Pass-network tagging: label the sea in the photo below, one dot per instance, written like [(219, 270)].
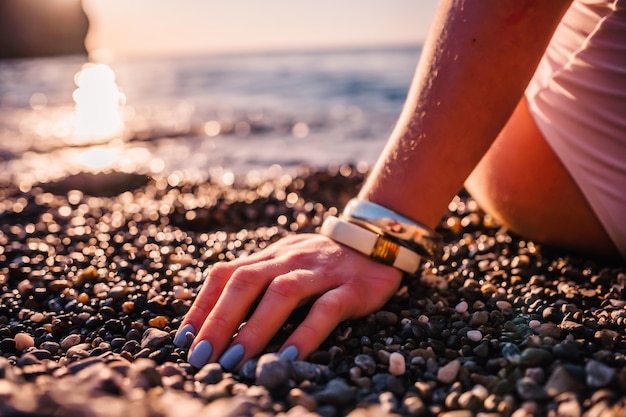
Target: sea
[(224, 116)]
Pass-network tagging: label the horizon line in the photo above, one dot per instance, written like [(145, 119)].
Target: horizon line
[(104, 55)]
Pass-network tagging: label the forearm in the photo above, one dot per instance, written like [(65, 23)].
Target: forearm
[(478, 59)]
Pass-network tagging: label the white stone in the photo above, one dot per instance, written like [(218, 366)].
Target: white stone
[(474, 335), (461, 307), (397, 365)]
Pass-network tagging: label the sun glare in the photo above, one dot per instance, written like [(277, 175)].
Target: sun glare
[(98, 104), (99, 158)]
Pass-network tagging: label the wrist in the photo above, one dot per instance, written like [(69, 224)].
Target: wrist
[(406, 232), (383, 235), (373, 245)]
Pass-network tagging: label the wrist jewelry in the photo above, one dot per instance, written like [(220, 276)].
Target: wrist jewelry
[(371, 244), (396, 228)]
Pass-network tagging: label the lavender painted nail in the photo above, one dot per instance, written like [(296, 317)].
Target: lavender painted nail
[(181, 340), (232, 356), (200, 354), (290, 353)]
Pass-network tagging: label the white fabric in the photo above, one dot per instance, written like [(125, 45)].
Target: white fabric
[(578, 99)]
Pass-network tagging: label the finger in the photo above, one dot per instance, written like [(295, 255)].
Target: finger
[(240, 292), (212, 286), (283, 295), (216, 278), (326, 313)]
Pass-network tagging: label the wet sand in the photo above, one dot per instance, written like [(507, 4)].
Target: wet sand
[(96, 282)]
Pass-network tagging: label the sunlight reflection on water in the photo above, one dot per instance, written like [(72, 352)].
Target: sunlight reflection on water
[(97, 114), (199, 114)]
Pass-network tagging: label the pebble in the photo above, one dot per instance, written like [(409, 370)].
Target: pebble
[(535, 357), (528, 389), (447, 373), (496, 327), (461, 307), (468, 400), (70, 341), (40, 353), (128, 307), (482, 350), (52, 347), (79, 350), (397, 365), (571, 326), (23, 341), (598, 374), (608, 337), (569, 408), (211, 373), (144, 375), (159, 322), (306, 371), (366, 363), (81, 364), (474, 335), (504, 305), (336, 392), (154, 338), (247, 371), (561, 380), (386, 318), (118, 292), (566, 350), (548, 330), (383, 356), (8, 346), (37, 317), (511, 353), (479, 318), (298, 397), (272, 371)]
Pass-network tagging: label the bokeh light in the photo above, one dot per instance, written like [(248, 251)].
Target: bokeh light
[(98, 104)]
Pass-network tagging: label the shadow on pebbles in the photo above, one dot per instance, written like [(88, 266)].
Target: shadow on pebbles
[(95, 283)]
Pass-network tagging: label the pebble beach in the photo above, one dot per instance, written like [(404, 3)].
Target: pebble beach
[(98, 270)]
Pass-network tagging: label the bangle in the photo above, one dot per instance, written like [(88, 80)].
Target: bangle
[(408, 233), (370, 244)]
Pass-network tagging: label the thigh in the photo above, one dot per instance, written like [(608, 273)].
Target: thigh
[(524, 185)]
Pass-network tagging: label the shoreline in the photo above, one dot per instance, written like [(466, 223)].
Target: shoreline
[(95, 286)]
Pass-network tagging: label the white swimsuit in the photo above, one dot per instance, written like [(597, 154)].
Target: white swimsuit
[(578, 99)]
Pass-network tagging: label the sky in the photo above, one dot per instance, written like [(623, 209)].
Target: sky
[(167, 27)]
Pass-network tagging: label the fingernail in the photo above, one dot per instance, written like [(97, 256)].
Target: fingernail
[(232, 356), (200, 354), (181, 339), (290, 353)]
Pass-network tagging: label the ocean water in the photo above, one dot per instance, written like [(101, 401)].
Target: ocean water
[(201, 115)]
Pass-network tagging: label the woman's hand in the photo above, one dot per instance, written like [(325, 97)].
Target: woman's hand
[(342, 283)]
